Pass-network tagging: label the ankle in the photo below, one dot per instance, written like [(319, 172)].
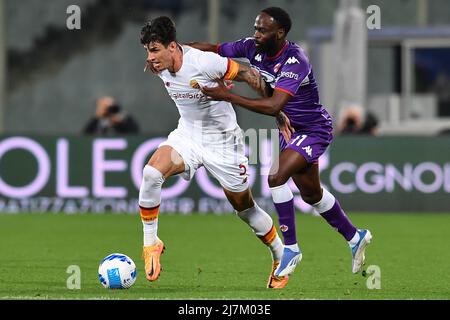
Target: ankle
[(294, 247)]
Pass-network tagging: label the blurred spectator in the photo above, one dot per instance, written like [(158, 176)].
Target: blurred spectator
[(352, 122), (370, 125), (110, 119)]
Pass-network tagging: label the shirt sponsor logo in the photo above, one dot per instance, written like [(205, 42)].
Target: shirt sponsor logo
[(186, 95), (290, 75), (292, 60)]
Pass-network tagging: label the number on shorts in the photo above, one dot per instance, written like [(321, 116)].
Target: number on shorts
[(244, 168), (303, 137)]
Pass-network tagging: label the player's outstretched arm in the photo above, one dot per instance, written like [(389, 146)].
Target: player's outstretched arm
[(204, 46)]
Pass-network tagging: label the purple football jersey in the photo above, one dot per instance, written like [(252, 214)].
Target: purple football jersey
[(289, 71)]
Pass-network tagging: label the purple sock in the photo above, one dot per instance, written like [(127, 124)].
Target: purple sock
[(339, 220), (286, 219)]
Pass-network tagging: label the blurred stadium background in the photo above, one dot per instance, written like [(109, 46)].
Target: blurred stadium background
[(390, 67)]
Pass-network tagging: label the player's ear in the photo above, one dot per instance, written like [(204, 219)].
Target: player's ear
[(280, 33), (172, 46)]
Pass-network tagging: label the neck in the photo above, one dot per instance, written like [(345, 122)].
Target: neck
[(177, 60), (276, 48)]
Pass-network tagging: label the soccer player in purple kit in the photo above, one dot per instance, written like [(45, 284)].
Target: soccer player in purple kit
[(286, 69)]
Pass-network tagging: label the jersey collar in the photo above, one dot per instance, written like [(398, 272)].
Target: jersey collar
[(279, 52)]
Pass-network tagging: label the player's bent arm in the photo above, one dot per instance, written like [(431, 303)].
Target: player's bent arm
[(203, 46), (247, 74), (253, 78), (269, 106), (243, 73)]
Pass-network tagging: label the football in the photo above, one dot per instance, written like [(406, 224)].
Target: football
[(117, 271)]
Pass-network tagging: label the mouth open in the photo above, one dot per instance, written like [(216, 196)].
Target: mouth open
[(152, 65)]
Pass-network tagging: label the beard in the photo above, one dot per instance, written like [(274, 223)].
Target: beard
[(267, 46)]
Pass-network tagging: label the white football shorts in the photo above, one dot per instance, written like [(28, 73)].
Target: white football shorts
[(222, 155)]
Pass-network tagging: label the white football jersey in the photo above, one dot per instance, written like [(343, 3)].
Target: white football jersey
[(197, 112)]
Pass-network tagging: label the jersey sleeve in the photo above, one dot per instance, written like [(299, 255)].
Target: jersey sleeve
[(236, 49), (292, 74), (214, 66)]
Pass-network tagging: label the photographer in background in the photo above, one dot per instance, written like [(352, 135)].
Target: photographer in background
[(110, 119), (353, 122)]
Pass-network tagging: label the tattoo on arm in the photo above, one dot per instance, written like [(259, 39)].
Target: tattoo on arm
[(245, 74), (254, 79)]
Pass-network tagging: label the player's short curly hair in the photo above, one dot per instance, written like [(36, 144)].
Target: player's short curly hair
[(280, 16), (161, 29)]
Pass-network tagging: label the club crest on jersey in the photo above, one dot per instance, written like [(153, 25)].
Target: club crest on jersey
[(277, 67), (284, 228), (194, 84), (167, 84)]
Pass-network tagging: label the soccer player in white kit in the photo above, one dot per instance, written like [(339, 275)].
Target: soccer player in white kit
[(207, 135)]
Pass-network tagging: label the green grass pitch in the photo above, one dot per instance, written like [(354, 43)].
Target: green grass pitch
[(218, 257)]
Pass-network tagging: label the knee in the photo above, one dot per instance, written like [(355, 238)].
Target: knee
[(312, 197), (276, 180), (152, 176)]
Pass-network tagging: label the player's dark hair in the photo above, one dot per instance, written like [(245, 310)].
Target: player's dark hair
[(280, 16), (161, 29)]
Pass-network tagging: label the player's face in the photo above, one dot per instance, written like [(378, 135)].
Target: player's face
[(159, 56), (266, 32)]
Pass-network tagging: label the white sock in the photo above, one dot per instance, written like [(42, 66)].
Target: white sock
[(326, 203), (150, 233), (150, 190), (281, 193), (276, 248), (149, 200), (294, 247), (354, 240), (262, 225)]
